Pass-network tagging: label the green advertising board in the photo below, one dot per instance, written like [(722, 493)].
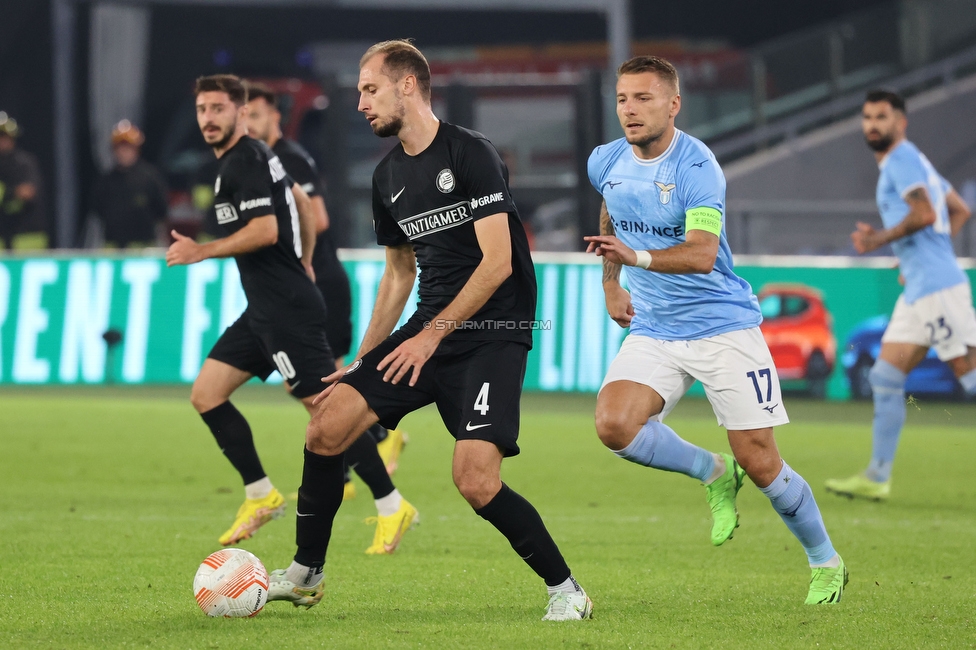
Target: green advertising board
[(55, 312)]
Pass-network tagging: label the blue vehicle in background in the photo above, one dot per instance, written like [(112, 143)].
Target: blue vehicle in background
[(930, 377)]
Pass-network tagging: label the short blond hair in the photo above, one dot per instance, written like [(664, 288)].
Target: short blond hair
[(400, 58)]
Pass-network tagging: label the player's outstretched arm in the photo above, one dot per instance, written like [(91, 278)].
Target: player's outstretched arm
[(306, 227), (696, 254), (611, 270), (260, 232), (958, 212), (619, 307), (321, 214), (920, 215), (395, 287), (495, 240)]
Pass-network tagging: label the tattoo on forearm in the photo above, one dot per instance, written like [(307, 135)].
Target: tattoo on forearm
[(611, 271), (606, 226)]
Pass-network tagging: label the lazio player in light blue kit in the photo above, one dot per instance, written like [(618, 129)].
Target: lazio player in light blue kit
[(690, 317), (920, 212)]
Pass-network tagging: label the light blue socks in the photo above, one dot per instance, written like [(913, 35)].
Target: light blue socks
[(658, 446), (793, 500), (888, 386), (968, 382)]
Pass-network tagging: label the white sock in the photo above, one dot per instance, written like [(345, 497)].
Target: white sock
[(303, 576), (719, 469), (832, 563), (258, 489), (388, 505), (568, 586)]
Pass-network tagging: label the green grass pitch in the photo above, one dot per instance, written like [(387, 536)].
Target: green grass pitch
[(112, 497)]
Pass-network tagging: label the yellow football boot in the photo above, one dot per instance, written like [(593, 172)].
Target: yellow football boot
[(391, 447), (253, 514), (390, 530)]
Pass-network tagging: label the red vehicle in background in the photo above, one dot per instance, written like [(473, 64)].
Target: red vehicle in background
[(798, 329)]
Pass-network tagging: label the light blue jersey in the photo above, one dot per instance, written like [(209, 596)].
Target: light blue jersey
[(926, 258), (648, 201)]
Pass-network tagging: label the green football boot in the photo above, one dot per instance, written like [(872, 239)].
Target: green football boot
[(720, 494), (827, 584), (859, 486)]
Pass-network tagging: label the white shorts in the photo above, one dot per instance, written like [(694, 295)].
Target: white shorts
[(944, 320), (735, 368)]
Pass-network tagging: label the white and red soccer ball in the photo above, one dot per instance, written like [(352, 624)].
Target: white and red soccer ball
[(231, 583)]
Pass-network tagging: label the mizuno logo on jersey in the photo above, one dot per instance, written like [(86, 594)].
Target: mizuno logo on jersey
[(424, 224), (485, 200), (225, 213), (255, 203), (277, 170)]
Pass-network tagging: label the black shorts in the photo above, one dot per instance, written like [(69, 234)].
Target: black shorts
[(477, 386), (301, 355)]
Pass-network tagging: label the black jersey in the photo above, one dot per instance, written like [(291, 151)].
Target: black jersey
[(299, 166), (251, 182), (431, 201), (302, 169)]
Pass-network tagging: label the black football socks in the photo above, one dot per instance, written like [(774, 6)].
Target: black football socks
[(319, 499), (520, 523), (233, 435), (363, 457)]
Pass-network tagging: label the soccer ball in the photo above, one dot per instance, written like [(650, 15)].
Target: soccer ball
[(231, 583)]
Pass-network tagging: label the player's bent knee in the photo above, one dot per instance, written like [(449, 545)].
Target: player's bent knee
[(477, 487), (478, 491), (756, 452), (204, 399), (324, 440), (615, 429), (885, 376), (761, 469)]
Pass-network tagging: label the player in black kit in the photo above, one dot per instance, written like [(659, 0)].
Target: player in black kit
[(271, 235), (441, 202), (363, 456)]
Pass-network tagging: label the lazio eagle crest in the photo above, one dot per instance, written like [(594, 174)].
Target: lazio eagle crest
[(665, 192)]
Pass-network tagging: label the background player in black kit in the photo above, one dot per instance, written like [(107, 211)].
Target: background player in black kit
[(440, 201), (283, 326), (264, 124)]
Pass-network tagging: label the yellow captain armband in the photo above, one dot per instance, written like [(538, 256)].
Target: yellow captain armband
[(707, 219)]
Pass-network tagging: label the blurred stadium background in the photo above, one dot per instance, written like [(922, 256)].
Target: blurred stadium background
[(773, 88), (114, 491)]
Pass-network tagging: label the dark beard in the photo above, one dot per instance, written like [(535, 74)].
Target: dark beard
[(390, 128), (644, 142), (881, 144), (220, 144)]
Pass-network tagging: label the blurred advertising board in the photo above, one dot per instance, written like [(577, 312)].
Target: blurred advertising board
[(58, 315)]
